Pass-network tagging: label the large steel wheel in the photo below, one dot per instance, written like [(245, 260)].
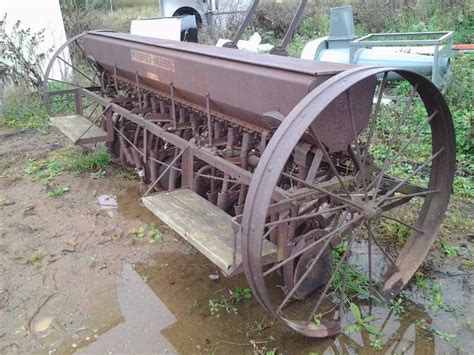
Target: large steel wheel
[(363, 201), (69, 69)]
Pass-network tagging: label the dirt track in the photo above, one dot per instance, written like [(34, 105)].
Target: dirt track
[(60, 258)]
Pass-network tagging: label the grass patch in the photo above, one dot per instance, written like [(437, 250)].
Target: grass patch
[(72, 160), (457, 221), (58, 191), (127, 175), (23, 109)]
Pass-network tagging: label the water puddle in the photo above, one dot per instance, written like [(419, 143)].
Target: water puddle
[(145, 316), (129, 206), (182, 284), (167, 308)]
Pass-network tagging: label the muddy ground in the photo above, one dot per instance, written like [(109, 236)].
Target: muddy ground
[(74, 279)]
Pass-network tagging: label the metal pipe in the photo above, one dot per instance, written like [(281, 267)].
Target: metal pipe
[(244, 24)]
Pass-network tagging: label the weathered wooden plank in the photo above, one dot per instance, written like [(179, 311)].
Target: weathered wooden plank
[(203, 225), (78, 129)]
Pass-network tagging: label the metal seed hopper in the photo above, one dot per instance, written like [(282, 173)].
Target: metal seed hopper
[(286, 169)]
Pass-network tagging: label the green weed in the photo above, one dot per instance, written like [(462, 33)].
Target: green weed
[(377, 344), (147, 231), (397, 306), (36, 258), (58, 191), (223, 303), (94, 259), (240, 294), (361, 323), (393, 231), (357, 282), (436, 302), (97, 175), (469, 325), (89, 160), (423, 324), (36, 255), (228, 304), (450, 250), (443, 335), (256, 329), (421, 282), (468, 264), (457, 222)]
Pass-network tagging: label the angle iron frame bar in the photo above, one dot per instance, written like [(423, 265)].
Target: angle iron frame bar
[(370, 40), (445, 37), (93, 122), (176, 158), (294, 24), (204, 154), (245, 23)]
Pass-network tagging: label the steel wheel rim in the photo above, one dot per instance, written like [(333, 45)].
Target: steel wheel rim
[(277, 153), (63, 58)]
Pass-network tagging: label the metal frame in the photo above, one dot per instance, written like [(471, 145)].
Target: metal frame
[(442, 46)]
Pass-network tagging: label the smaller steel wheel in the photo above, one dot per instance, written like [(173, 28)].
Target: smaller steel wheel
[(348, 187), (69, 69)]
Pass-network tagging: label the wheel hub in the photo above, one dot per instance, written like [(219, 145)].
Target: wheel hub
[(371, 211)]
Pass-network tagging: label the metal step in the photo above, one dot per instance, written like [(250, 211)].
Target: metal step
[(204, 226), (79, 129)]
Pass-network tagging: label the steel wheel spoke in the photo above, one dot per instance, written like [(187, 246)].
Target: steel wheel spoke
[(305, 274), (336, 196), (405, 146), (330, 162), (329, 235), (305, 216), (77, 70), (401, 200), (357, 154), (64, 82), (402, 223), (369, 262), (434, 156), (417, 194), (394, 135), (84, 55), (372, 236), (375, 113), (265, 235), (64, 106), (326, 288)]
